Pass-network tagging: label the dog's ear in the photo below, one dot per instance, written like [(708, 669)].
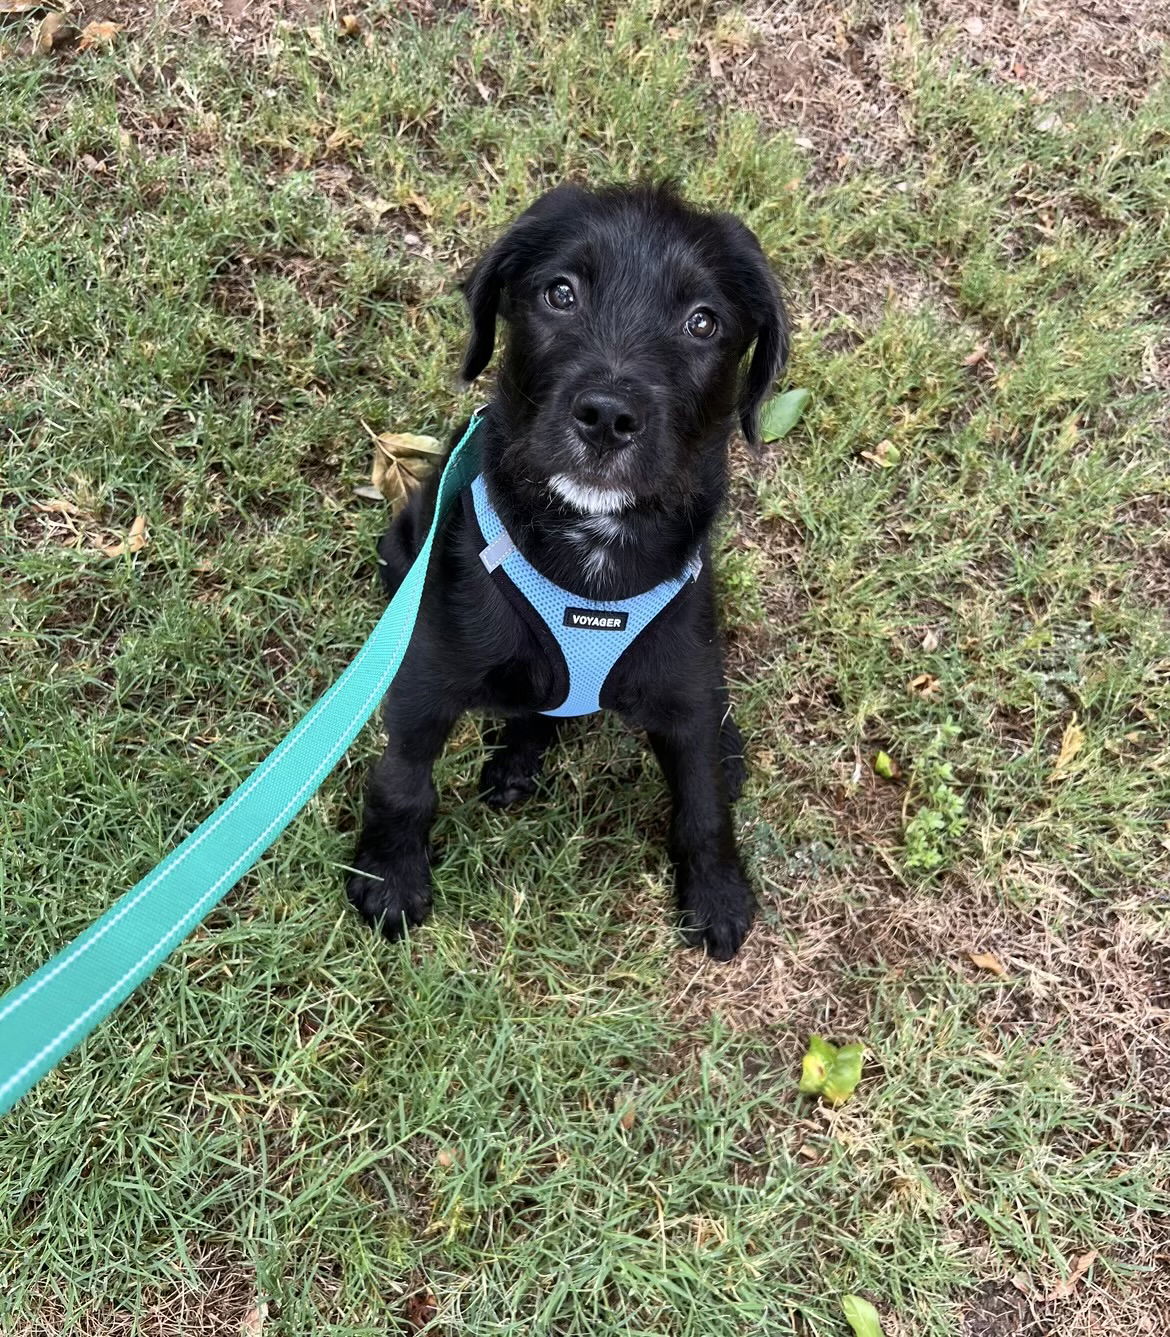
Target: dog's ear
[(767, 316), (508, 258)]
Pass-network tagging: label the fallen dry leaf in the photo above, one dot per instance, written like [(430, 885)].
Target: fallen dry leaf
[(1071, 742), (973, 359), (99, 34), (974, 25), (421, 1308), (252, 1324), (446, 1158), (20, 6), (628, 1118), (885, 454), (925, 684), (135, 541), (58, 506), (53, 32), (930, 641), (401, 462), (1063, 1289), (988, 961), (713, 65), (349, 25)]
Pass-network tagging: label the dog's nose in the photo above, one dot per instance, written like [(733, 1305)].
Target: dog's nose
[(606, 419)]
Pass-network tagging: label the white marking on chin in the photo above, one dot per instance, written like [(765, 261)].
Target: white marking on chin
[(588, 499)]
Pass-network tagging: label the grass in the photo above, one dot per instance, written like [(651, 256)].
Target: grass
[(219, 262)]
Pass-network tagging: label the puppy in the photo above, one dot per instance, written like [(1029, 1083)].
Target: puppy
[(604, 453)]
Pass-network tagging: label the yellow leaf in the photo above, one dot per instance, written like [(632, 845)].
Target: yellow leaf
[(135, 541), (1071, 743), (885, 454), (406, 443), (1063, 1289), (988, 961), (58, 506), (401, 462), (53, 32), (924, 684), (98, 35), (349, 25)]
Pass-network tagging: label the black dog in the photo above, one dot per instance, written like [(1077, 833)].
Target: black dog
[(605, 457)]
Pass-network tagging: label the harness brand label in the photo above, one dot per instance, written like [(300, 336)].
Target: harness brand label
[(588, 620)]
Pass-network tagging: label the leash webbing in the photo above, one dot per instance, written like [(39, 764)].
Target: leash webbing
[(52, 1011)]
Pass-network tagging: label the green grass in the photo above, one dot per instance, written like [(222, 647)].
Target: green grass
[(200, 333)]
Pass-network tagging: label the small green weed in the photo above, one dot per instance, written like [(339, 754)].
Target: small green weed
[(940, 819)]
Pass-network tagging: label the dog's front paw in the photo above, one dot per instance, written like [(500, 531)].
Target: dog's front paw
[(508, 777), (716, 909), (390, 894)]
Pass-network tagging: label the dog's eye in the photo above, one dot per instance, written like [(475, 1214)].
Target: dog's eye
[(700, 324), (560, 295)]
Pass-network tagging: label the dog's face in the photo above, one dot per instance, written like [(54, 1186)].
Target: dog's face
[(629, 315)]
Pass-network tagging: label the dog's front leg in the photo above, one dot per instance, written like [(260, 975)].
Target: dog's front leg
[(391, 884), (715, 902)]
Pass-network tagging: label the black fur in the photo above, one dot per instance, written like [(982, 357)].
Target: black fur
[(612, 394)]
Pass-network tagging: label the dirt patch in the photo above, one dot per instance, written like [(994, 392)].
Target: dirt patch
[(997, 1309), (837, 74), (821, 71), (1088, 50)]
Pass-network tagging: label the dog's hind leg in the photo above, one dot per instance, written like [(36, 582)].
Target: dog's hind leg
[(510, 772)]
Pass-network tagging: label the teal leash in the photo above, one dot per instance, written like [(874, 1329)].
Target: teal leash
[(51, 1012)]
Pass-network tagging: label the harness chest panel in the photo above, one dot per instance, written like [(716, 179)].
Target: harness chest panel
[(590, 635)]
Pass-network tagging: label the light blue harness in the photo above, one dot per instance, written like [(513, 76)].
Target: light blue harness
[(591, 636)]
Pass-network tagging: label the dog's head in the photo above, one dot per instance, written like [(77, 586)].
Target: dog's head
[(629, 315)]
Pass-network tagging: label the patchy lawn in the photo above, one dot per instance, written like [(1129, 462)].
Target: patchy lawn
[(227, 247)]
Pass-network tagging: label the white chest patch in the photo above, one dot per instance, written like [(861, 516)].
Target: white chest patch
[(593, 536)]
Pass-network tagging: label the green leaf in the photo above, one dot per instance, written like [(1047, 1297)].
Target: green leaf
[(782, 413), (814, 1067), (828, 1071), (884, 766), (844, 1074), (862, 1316)]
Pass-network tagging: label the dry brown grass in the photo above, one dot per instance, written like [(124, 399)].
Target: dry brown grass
[(214, 1298), (837, 73)]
